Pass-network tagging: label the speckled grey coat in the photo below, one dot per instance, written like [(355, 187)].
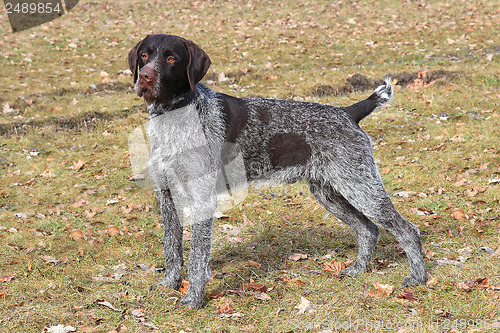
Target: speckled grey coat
[(195, 133)]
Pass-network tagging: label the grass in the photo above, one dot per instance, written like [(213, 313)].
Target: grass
[(65, 167)]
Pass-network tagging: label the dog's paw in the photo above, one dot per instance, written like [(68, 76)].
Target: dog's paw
[(410, 281), (168, 282), (354, 270), (194, 300)]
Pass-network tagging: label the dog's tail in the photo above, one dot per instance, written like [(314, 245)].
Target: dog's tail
[(381, 96)]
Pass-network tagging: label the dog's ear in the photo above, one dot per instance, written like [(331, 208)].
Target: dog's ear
[(133, 58), (198, 64)]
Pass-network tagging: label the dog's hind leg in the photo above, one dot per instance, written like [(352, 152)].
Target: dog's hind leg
[(406, 233), (366, 231), (367, 194), (172, 243)]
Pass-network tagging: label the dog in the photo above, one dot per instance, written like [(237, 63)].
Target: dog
[(194, 132)]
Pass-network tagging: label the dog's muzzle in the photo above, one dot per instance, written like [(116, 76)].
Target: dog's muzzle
[(146, 83)]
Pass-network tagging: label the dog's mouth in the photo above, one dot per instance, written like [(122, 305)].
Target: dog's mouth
[(146, 92)]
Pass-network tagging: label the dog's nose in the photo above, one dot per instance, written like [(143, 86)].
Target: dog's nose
[(147, 74)]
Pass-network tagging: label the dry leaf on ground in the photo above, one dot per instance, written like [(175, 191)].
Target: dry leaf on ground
[(113, 230), (383, 289), (77, 235), (7, 278), (334, 267), (263, 297), (226, 307), (479, 282), (78, 165), (51, 260), (4, 295), (407, 295), (184, 286), (297, 256), (107, 304), (60, 329), (254, 263), (255, 286), (304, 306), (459, 214)]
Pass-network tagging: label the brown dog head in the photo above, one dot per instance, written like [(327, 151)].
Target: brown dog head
[(166, 67)]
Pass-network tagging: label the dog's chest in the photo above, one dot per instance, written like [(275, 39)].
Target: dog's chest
[(175, 135)]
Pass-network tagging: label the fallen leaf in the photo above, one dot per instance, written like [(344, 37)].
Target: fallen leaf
[(458, 261), (113, 230), (263, 297), (255, 286), (383, 289), (334, 267), (127, 209), (479, 282), (79, 203), (297, 281), (78, 165), (218, 295), (4, 294), (297, 256), (115, 277), (60, 329), (385, 170), (77, 235), (487, 249), (459, 214), (365, 292), (184, 286), (462, 182), (226, 307), (48, 174), (232, 315), (51, 260), (429, 254), (7, 278), (89, 213), (407, 295), (254, 264), (405, 194), (7, 109), (107, 304), (304, 306), (431, 281)]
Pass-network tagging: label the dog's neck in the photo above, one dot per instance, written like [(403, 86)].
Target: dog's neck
[(157, 108)]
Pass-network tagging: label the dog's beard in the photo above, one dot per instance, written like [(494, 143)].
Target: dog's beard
[(150, 95)]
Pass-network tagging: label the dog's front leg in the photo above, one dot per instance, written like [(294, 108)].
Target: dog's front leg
[(172, 244), (203, 208)]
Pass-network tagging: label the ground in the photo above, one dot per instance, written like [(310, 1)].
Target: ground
[(80, 236)]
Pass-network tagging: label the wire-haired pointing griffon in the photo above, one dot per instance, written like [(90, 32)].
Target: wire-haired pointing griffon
[(195, 133)]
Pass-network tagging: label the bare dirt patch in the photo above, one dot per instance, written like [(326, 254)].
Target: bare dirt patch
[(359, 82)]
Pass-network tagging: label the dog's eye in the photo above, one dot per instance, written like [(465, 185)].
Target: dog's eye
[(171, 59), (144, 56)]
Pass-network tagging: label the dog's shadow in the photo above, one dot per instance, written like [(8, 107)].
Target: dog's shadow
[(261, 252)]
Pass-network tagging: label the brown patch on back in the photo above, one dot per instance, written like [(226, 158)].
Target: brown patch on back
[(288, 149)]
